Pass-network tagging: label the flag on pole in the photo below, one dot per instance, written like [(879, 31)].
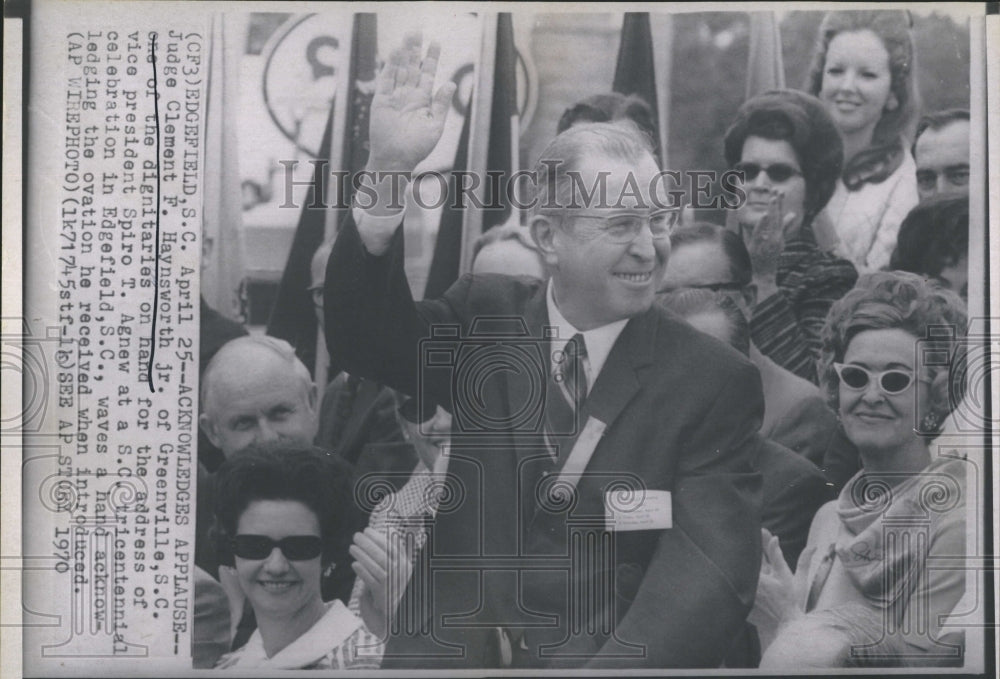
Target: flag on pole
[(222, 270), (293, 316), (460, 227), (448, 244), (765, 68), (504, 120), (635, 71)]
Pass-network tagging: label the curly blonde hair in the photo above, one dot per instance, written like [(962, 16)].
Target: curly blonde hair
[(899, 300)]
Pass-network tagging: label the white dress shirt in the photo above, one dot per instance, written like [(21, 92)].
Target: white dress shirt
[(598, 341)]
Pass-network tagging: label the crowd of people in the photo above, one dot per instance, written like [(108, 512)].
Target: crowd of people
[(732, 424)]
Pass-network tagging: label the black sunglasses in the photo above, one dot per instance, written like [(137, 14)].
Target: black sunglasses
[(891, 382), (294, 547), (778, 172), (417, 411)]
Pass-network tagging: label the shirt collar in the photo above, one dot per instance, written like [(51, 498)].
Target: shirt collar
[(599, 341), (327, 633)]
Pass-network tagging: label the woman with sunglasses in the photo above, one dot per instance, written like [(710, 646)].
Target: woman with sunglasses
[(863, 71), (790, 154), (285, 515), (866, 560)]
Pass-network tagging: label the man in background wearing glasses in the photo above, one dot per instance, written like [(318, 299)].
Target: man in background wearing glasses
[(709, 257), (653, 483)]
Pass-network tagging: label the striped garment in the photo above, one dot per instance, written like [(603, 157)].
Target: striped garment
[(786, 326)]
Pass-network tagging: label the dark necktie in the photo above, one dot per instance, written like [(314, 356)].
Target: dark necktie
[(566, 393), (574, 376)]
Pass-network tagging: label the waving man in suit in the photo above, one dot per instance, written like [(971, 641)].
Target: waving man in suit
[(602, 508)]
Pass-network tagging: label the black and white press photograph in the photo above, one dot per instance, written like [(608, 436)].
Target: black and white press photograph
[(503, 338)]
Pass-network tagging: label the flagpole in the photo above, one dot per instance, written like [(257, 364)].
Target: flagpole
[(223, 214), (479, 141), (338, 143), (766, 69), (342, 98), (662, 26)]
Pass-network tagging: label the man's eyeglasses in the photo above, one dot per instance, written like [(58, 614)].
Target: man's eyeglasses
[(294, 547), (625, 228), (956, 176), (891, 382), (778, 172)]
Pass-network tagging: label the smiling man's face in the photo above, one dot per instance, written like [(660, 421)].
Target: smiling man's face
[(598, 281)]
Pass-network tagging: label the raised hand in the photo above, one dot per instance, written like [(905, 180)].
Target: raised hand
[(385, 571), (767, 238), (765, 242), (407, 117)]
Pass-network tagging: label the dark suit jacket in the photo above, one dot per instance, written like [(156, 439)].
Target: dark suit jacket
[(794, 489), (357, 421), (214, 331), (681, 411), (813, 430)]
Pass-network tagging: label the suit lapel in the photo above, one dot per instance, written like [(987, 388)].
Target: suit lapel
[(536, 317), (621, 376), (620, 380), (531, 458)]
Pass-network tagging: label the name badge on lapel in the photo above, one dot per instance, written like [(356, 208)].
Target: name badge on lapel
[(626, 510), (582, 451)]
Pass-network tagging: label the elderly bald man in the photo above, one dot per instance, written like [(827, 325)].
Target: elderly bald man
[(255, 390)]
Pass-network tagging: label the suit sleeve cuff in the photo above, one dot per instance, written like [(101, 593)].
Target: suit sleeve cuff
[(376, 231)]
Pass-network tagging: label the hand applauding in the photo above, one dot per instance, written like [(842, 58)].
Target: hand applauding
[(778, 592), (384, 569)]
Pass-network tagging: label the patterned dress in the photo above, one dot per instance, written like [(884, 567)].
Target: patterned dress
[(786, 326)]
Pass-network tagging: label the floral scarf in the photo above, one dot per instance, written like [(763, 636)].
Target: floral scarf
[(889, 522)]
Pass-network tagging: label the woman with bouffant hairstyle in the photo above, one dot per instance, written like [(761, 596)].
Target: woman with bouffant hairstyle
[(906, 302), (284, 516), (789, 153), (891, 348), (864, 71)]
